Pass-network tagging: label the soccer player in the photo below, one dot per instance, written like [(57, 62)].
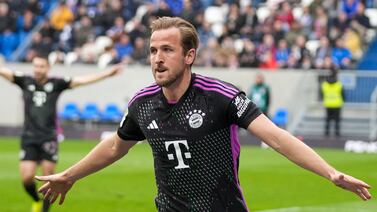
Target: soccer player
[(190, 121), (39, 144)]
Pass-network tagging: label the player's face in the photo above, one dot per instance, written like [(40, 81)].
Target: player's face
[(166, 56), (40, 68)]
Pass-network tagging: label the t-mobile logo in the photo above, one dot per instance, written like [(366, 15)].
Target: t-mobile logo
[(178, 153)]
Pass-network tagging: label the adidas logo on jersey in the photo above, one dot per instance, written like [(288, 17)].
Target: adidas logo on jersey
[(152, 126)]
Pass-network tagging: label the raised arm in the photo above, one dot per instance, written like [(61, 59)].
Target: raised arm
[(6, 73), (92, 78), (105, 153), (299, 153)]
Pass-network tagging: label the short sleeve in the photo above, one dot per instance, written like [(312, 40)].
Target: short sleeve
[(19, 79), (62, 83), (129, 129), (242, 111)]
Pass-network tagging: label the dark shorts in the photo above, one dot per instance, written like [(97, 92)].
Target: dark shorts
[(37, 151)]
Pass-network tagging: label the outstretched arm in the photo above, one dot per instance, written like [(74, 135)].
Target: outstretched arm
[(92, 78), (299, 153), (105, 153), (7, 74)]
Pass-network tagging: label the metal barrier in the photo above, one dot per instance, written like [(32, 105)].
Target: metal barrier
[(373, 115), (359, 85)]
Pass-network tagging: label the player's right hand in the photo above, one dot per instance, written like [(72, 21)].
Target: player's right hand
[(55, 185)]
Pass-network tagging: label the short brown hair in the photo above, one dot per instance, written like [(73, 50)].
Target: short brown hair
[(190, 38)]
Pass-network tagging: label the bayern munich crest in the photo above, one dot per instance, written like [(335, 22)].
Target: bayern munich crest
[(195, 118)]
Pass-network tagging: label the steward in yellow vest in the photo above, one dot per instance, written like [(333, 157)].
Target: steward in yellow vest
[(333, 100)]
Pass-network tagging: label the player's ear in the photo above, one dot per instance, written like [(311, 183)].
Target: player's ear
[(190, 56)]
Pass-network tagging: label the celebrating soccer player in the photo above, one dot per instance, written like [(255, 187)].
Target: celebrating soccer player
[(191, 121), (39, 145)]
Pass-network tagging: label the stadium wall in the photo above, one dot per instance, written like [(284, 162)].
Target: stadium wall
[(291, 89)]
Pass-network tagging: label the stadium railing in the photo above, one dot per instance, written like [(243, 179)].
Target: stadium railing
[(373, 118)]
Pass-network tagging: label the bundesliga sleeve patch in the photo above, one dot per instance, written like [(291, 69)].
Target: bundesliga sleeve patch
[(241, 102)]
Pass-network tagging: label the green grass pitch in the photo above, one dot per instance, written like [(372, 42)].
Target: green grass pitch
[(269, 181)]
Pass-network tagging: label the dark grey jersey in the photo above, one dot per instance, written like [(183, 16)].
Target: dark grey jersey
[(40, 106), (194, 143)]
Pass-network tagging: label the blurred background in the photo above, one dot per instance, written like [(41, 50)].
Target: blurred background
[(292, 44)]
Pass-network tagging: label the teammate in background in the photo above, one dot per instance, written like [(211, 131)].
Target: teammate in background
[(190, 121), (39, 144), (259, 94), (332, 93)]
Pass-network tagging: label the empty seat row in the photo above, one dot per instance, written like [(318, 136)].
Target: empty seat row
[(91, 112)]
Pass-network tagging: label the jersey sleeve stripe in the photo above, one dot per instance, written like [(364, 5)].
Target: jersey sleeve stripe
[(214, 85), (151, 87), (217, 82), (214, 89), (235, 145), (144, 93)]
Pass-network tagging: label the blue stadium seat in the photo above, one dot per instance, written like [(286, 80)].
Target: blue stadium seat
[(280, 117), (90, 112), (70, 112), (112, 113)]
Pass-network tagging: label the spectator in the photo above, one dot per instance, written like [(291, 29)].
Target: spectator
[(295, 31), (352, 41), (141, 52), (341, 22), (233, 21), (26, 22), (61, 16), (350, 7), (248, 21), (360, 21), (285, 15), (278, 32), (163, 9), (111, 13), (99, 19), (82, 30), (8, 43), (247, 57), (123, 49), (39, 46), (34, 6), (205, 33), (360, 16), (299, 50), (7, 18), (282, 54), (116, 29), (306, 21), (266, 53), (188, 12), (206, 56), (320, 24), (81, 11), (341, 56), (323, 50), (176, 6), (46, 30)]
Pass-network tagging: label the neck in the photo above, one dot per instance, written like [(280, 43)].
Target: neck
[(175, 91), (41, 81)]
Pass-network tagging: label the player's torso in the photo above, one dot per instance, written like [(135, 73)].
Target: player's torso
[(191, 144), (40, 108)]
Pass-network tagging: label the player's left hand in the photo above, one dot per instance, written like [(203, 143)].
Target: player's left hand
[(352, 184)]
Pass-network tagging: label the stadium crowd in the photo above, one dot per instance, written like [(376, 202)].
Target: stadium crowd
[(267, 34)]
